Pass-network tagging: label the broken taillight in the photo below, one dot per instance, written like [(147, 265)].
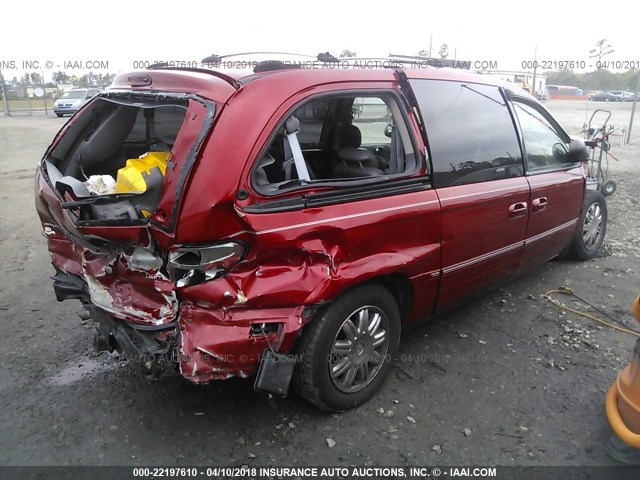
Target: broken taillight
[(197, 264)]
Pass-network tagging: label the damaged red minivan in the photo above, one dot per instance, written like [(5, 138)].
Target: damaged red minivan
[(291, 223)]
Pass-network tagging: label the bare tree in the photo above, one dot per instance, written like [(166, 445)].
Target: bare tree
[(602, 49), (444, 51), (424, 53)]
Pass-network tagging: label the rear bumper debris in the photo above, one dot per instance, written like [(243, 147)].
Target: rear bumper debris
[(202, 344), (222, 343)]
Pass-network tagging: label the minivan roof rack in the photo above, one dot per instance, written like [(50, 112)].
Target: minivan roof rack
[(325, 57)]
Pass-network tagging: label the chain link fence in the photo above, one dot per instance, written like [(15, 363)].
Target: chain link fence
[(29, 100)]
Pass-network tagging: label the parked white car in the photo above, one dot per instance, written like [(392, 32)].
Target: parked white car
[(73, 100)]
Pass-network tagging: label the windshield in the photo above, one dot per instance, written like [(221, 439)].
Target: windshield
[(75, 94)]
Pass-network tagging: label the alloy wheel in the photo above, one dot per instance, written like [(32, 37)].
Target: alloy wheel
[(592, 226), (359, 349)]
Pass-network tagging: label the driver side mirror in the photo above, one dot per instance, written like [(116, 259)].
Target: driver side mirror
[(578, 151)]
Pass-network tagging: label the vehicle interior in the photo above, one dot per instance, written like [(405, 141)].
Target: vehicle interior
[(336, 138), (104, 141)]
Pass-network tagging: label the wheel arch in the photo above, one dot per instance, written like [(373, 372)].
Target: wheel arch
[(397, 283), (402, 290)]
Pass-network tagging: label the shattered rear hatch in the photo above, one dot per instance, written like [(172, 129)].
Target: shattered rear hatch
[(107, 248)]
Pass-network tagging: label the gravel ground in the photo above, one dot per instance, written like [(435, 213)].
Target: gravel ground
[(507, 379)]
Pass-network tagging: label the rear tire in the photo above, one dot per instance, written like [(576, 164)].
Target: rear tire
[(59, 115), (592, 227), (341, 365)]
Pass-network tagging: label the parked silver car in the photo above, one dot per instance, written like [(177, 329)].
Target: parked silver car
[(623, 96), (73, 100)]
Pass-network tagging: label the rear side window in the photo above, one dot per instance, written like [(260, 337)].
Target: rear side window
[(337, 140), (470, 132)]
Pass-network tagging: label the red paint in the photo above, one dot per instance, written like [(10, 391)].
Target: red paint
[(564, 193), (226, 346), (476, 222), (444, 244)]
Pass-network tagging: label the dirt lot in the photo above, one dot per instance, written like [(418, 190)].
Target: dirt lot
[(505, 380)]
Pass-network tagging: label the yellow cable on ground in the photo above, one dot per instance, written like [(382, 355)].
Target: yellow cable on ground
[(568, 291)]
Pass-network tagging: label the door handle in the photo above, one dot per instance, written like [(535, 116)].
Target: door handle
[(518, 209), (538, 204)]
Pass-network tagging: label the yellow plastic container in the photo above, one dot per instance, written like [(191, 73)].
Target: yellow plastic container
[(130, 179)]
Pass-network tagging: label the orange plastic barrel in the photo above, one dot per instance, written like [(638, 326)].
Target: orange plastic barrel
[(628, 384), (623, 399), (635, 308)]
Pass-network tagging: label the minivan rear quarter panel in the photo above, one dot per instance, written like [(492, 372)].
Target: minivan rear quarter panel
[(344, 243)]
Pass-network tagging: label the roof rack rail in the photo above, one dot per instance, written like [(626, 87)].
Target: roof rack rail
[(399, 59), (436, 62), (272, 65), (227, 78), (321, 57)]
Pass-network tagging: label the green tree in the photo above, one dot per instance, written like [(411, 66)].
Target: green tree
[(424, 53), (347, 54), (563, 77), (601, 79), (83, 81), (36, 79), (628, 80), (61, 77)]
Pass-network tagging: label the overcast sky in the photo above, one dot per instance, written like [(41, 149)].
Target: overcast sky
[(121, 32)]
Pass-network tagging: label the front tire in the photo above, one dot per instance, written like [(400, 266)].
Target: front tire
[(347, 348), (592, 227)]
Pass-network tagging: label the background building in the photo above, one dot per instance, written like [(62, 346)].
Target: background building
[(523, 80)]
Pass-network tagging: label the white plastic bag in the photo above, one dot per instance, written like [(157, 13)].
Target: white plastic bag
[(101, 184)]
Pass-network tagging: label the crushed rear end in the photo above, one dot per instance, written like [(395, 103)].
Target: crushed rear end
[(148, 238), (108, 192)]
